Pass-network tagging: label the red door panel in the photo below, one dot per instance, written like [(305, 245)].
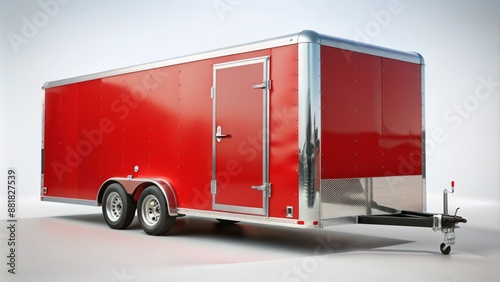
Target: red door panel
[(239, 119)]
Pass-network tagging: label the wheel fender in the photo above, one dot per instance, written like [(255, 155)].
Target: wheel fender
[(134, 187)]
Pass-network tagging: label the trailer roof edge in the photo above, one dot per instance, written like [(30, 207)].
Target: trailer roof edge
[(305, 36), (361, 47)]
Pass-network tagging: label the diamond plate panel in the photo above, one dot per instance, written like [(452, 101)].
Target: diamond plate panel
[(370, 196)]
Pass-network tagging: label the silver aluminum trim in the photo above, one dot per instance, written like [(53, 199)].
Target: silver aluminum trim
[(275, 221), (213, 186), (69, 201), (265, 137), (309, 131), (338, 221), (421, 60), (42, 187), (213, 181), (369, 194), (162, 184), (265, 133), (42, 170), (309, 36), (238, 209), (424, 155), (244, 62)]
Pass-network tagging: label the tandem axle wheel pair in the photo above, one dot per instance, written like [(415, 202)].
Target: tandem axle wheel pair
[(119, 208)]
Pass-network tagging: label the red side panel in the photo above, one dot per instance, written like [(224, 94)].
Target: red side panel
[(283, 127), (161, 121), (62, 160), (92, 131), (371, 115), (194, 140), (402, 120)]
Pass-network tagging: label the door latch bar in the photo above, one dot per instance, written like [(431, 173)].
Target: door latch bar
[(264, 85), (265, 187), (219, 135)]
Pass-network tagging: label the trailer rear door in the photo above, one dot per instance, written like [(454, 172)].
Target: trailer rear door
[(240, 141)]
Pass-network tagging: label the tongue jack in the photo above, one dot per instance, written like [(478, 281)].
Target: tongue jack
[(445, 197)]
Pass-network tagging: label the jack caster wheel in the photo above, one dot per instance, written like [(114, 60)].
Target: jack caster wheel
[(445, 250)]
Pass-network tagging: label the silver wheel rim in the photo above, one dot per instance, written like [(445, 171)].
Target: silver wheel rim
[(114, 206), (150, 210)]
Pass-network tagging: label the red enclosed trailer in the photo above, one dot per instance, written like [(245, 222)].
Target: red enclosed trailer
[(303, 130)]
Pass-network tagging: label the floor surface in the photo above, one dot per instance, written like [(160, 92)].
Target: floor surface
[(81, 247)]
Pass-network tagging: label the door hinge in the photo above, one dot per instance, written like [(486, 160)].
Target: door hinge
[(264, 85), (212, 92), (266, 187), (213, 187)]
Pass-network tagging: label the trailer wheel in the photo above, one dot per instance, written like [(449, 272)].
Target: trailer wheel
[(152, 212), (445, 250), (118, 207)]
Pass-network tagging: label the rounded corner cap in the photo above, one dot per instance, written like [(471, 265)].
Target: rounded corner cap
[(45, 85), (309, 36), (420, 57)]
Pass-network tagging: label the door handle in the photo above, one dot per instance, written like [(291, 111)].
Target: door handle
[(219, 135), (259, 187), (264, 85), (265, 187), (259, 86)]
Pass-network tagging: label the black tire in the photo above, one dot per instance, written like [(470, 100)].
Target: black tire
[(226, 221), (118, 207), (152, 212), (445, 251)]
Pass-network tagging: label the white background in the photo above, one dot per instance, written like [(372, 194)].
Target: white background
[(460, 40)]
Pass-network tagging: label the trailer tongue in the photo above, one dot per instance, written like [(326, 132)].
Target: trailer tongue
[(445, 222)]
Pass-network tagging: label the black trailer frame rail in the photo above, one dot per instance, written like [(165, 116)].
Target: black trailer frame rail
[(404, 218)]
